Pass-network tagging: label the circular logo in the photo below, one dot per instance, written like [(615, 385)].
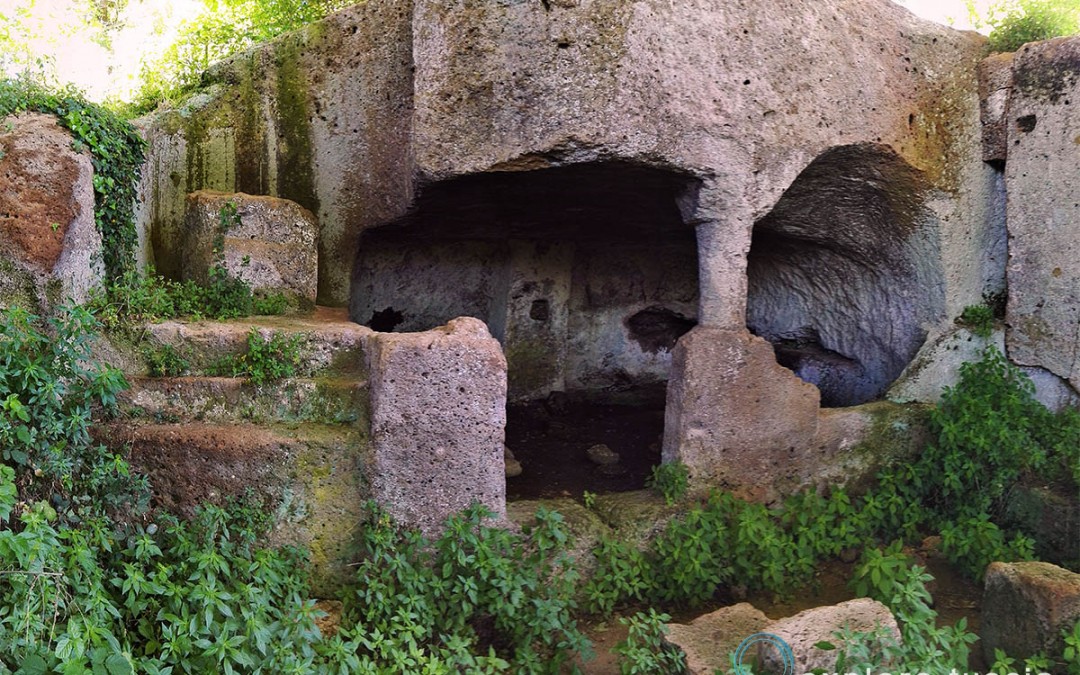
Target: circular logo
[(786, 655)]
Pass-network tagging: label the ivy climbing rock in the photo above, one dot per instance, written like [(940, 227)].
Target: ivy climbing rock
[(51, 250)]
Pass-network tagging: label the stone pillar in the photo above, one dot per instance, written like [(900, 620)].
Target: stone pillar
[(438, 414)]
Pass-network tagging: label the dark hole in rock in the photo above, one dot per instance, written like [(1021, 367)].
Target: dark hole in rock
[(385, 320), (554, 261), (540, 310), (658, 328), (843, 273), (1026, 123)]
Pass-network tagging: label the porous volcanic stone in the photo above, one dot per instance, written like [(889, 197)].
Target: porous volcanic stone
[(51, 249), (1043, 183), (438, 410), (734, 416), (820, 624), (709, 639), (1025, 607), (271, 244)]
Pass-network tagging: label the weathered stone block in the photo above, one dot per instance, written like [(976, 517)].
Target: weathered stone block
[(271, 243), (1025, 607), (312, 477), (820, 624), (735, 417), (995, 79), (438, 410), (51, 247), (708, 639)]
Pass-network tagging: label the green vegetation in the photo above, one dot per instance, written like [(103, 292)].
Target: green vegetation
[(95, 580), (478, 599), (923, 648), (989, 432), (164, 361), (266, 359), (227, 27), (1014, 23), (670, 481), (116, 151), (979, 319), (48, 388), (150, 297), (644, 650)]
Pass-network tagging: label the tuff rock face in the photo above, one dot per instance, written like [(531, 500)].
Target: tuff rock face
[(51, 246), (592, 179), (269, 243), (1044, 208)]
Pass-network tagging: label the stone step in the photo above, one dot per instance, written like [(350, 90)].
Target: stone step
[(329, 342), (326, 400), (311, 476)]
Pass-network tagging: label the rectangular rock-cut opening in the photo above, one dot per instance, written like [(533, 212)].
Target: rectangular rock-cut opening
[(587, 276)]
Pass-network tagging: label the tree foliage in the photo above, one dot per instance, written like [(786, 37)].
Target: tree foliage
[(227, 27), (1014, 23)]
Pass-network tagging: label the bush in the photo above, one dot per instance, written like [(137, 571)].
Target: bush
[(644, 649), (1014, 23), (479, 599)]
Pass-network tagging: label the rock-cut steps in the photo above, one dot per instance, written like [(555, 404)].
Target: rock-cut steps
[(299, 444)]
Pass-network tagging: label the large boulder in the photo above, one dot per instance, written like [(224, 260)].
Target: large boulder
[(820, 624), (708, 640), (1025, 607), (438, 410), (51, 247), (1042, 176), (267, 242)]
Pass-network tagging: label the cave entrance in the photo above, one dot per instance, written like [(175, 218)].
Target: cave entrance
[(843, 274), (587, 275)]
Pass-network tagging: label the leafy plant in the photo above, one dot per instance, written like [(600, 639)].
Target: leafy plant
[(923, 648), (979, 319), (879, 572), (49, 387), (644, 649), (479, 599), (670, 480), (266, 359), (1070, 655), (165, 361), (622, 574)]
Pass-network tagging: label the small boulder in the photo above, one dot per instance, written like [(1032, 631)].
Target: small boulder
[(602, 455), (709, 639), (820, 624), (1025, 607), (270, 243), (513, 467)]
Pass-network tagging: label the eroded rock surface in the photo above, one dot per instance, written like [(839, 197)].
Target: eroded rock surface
[(1043, 183), (820, 624), (51, 246), (267, 242), (1025, 607), (438, 409), (707, 640)]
